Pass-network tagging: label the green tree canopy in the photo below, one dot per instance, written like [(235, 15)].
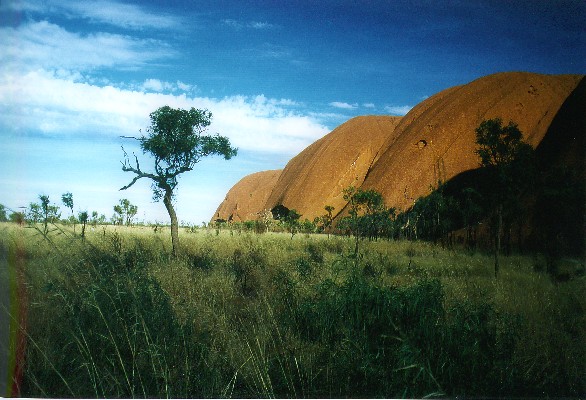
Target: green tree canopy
[(67, 199), (177, 142), (3, 217), (44, 212), (125, 211), (368, 215)]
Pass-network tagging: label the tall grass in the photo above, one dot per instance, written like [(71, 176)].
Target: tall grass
[(245, 315)]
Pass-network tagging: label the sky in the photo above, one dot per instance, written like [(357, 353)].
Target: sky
[(76, 77)]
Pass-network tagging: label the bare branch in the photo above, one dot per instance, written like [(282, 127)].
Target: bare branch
[(136, 159), (131, 183), (126, 167)]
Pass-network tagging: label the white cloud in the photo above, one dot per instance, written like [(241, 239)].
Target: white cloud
[(42, 101), (345, 106), (238, 25), (45, 45), (159, 86), (261, 25), (286, 102), (155, 85), (233, 23), (128, 16), (398, 110), (122, 15), (185, 87), (368, 105)]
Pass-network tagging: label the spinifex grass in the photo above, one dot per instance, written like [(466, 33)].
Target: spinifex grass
[(245, 315)]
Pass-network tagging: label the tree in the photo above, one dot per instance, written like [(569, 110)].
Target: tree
[(17, 217), (83, 218), (436, 214), (509, 164), (291, 221), (125, 212), (368, 215), (94, 219), (471, 207), (280, 212), (324, 222), (43, 212), (33, 213), (3, 217), (177, 142), (67, 199)]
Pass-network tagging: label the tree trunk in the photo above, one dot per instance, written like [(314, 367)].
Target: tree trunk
[(174, 224), (497, 249)]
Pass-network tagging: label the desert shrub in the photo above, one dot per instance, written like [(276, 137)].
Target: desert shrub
[(315, 252), (204, 260), (304, 267), (247, 266), (116, 242)]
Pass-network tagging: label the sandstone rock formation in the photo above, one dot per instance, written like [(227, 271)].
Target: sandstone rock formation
[(246, 199), (316, 176), (403, 157), (436, 140)]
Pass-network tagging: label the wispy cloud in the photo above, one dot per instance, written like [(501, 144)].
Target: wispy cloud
[(159, 86), (342, 105), (45, 45), (398, 110), (40, 101), (273, 51), (238, 25), (368, 105), (123, 15), (261, 25), (269, 51)]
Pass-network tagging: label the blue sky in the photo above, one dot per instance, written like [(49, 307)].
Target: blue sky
[(76, 75)]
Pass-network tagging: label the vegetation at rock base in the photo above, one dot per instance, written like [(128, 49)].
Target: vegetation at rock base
[(248, 315), (510, 166)]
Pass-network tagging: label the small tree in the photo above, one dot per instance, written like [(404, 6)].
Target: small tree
[(291, 221), (44, 212), (279, 212), (368, 215), (17, 217), (509, 164), (67, 199), (3, 217), (33, 213), (124, 212), (177, 142), (83, 218), (437, 214), (94, 220), (471, 207), (324, 222)]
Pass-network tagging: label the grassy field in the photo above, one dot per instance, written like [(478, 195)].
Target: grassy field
[(246, 315)]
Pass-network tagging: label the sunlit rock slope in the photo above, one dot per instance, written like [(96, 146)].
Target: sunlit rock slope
[(403, 157)]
